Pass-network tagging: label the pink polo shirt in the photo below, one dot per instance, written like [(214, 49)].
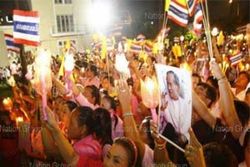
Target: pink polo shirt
[(117, 129), (89, 151)]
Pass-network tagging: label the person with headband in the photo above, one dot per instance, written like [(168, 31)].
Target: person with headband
[(145, 153), (123, 153)]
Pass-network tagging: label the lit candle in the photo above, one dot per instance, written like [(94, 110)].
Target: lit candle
[(68, 66), (121, 64), (150, 95), (69, 62), (18, 121), (43, 77)]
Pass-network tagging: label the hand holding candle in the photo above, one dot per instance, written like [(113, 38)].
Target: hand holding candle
[(68, 66), (121, 64), (18, 121), (150, 95), (43, 76)]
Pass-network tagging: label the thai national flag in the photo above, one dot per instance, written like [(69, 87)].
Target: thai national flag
[(26, 27), (198, 17), (10, 43), (178, 12), (136, 47), (191, 6), (148, 47), (236, 58)]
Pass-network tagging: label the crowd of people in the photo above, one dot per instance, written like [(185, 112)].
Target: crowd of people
[(101, 120)]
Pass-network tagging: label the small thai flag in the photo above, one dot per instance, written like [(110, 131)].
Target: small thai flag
[(26, 27), (11, 46), (198, 17), (178, 12), (140, 38), (136, 47), (236, 58), (148, 47)]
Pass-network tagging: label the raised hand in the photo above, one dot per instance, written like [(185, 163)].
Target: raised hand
[(216, 70), (51, 122), (124, 95), (194, 152)]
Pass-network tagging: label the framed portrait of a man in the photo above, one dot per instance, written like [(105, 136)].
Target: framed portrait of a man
[(176, 98)]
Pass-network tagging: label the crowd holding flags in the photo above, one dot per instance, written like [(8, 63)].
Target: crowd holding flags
[(25, 30)]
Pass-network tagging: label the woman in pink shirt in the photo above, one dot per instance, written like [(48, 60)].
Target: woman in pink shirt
[(108, 103), (86, 150)]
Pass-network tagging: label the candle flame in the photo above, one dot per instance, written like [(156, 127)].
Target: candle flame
[(150, 92)]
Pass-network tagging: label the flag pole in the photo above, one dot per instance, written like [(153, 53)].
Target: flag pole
[(207, 28)]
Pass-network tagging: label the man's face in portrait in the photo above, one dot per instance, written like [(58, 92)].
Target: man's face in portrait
[(173, 88)]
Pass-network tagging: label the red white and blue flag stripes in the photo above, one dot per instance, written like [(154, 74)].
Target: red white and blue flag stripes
[(11, 46), (198, 17), (26, 27), (136, 47), (236, 58), (178, 12)]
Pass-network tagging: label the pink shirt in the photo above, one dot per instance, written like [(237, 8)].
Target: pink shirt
[(88, 162), (88, 147), (117, 130)]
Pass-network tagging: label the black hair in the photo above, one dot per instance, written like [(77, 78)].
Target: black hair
[(86, 117), (196, 75), (112, 102), (110, 79), (218, 155), (130, 81), (176, 79), (93, 69), (95, 93), (248, 91), (71, 105), (213, 81), (210, 92), (242, 109), (103, 128)]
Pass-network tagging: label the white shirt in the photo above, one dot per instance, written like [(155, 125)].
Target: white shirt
[(241, 96), (178, 113)]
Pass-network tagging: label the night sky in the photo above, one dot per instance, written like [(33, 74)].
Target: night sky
[(223, 15)]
